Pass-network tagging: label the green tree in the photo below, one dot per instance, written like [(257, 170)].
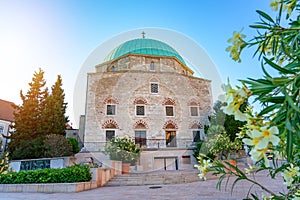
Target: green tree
[(41, 114), (218, 116), (28, 115), (55, 108), (232, 126)]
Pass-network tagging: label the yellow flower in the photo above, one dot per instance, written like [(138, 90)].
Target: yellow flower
[(274, 5)]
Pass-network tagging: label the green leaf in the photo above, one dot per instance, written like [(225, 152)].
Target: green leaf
[(279, 81), (291, 102), (268, 109), (289, 145), (265, 15), (259, 26), (273, 99), (279, 68)]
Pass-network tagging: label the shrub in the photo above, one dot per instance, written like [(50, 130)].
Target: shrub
[(123, 149), (57, 146), (74, 144), (72, 174), (33, 148)]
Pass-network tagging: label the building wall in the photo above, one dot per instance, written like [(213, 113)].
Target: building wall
[(131, 80)]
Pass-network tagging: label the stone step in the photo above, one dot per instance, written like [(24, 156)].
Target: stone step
[(136, 179)]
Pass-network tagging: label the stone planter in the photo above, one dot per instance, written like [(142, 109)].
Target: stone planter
[(125, 168)]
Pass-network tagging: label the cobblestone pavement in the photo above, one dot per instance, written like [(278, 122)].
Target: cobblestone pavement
[(197, 190)]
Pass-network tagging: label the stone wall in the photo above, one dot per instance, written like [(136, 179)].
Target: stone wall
[(125, 87), (60, 162)]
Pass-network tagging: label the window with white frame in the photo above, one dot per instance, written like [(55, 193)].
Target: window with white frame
[(140, 138), (140, 110), (194, 111), (154, 88), (110, 109), (110, 134), (170, 111)]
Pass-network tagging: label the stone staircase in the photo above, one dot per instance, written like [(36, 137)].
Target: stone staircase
[(154, 178)]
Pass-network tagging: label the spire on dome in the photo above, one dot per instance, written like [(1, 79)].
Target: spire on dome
[(143, 34)]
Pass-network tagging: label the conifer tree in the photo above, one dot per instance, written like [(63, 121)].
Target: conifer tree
[(56, 109), (27, 116), (41, 115)]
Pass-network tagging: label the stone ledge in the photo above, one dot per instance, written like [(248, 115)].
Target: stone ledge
[(49, 187)]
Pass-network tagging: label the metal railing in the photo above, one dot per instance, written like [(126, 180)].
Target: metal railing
[(147, 144)]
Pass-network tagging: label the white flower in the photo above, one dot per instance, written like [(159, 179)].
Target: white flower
[(289, 174), (267, 136), (258, 154)]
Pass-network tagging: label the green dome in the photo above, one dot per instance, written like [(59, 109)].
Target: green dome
[(143, 46)]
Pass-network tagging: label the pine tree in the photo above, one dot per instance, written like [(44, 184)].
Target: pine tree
[(56, 109), (27, 116), (40, 116)]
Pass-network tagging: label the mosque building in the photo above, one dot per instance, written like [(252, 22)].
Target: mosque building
[(144, 89)]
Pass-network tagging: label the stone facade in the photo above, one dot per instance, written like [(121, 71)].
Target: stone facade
[(157, 96)]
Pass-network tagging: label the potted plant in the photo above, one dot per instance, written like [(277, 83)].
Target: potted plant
[(220, 145), (123, 149)]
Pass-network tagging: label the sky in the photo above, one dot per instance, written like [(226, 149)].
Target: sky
[(59, 35)]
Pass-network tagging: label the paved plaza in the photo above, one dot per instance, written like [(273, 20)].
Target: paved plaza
[(196, 190)]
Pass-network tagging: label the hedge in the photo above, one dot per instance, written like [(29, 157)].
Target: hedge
[(72, 174)]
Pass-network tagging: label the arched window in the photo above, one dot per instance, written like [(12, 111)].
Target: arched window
[(140, 107), (111, 105), (197, 131), (194, 108), (110, 127), (169, 107), (140, 134), (152, 66), (113, 69)]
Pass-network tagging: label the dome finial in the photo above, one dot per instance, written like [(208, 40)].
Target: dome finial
[(143, 34)]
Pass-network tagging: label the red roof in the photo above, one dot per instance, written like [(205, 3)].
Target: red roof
[(6, 110)]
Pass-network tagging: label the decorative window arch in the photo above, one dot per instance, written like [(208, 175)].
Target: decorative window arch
[(196, 125), (194, 107), (140, 100), (170, 124), (193, 102), (169, 107), (140, 124), (140, 106), (140, 133), (110, 124), (168, 101), (154, 80), (111, 105), (111, 100)]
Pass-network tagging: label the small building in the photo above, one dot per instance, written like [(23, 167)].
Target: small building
[(144, 89), (6, 118)]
